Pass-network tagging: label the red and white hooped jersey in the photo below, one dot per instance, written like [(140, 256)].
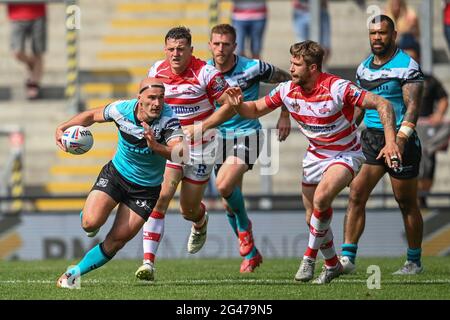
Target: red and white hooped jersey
[(326, 114), (191, 94)]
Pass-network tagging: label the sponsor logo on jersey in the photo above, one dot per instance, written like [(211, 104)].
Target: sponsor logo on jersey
[(185, 110)]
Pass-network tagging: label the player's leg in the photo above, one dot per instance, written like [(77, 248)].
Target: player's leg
[(306, 270), (404, 186), (104, 196), (425, 178), (126, 225), (355, 218), (229, 182), (371, 172), (336, 177), (405, 192), (96, 210), (192, 209), (153, 229)]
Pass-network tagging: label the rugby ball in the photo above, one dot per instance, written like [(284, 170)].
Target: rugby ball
[(77, 139)]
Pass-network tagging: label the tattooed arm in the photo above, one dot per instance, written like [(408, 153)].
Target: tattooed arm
[(412, 96), (279, 75), (387, 118)]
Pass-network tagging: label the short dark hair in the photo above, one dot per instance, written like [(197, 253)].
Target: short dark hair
[(382, 17), (178, 33), (311, 52), (224, 28)]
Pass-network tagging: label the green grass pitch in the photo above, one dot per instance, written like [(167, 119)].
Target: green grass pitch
[(198, 279)]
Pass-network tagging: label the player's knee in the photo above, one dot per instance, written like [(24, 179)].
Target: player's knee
[(224, 189), (187, 213), (357, 197), (88, 225), (406, 204), (321, 202)]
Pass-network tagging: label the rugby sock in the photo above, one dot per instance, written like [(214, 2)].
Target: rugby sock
[(320, 222), (236, 202), (232, 222), (414, 255), (328, 251), (252, 253), (153, 233), (349, 250), (95, 258)]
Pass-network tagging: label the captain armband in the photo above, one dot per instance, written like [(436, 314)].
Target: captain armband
[(406, 130)]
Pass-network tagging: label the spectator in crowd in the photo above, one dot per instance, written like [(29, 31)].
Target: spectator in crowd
[(302, 21), (404, 17), (446, 15), (29, 21), (431, 116), (249, 19)]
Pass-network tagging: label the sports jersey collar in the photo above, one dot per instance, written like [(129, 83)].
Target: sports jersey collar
[(191, 66), (379, 66)]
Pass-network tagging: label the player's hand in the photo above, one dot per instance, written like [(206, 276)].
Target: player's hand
[(283, 126), (235, 96), (149, 135), (392, 155), (193, 132), (58, 137)]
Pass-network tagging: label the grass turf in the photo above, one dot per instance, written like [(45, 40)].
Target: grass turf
[(199, 279)]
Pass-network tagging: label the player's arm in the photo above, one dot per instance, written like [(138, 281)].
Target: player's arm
[(387, 118), (278, 75), (248, 109), (221, 114), (412, 96), (159, 148), (284, 124), (85, 119)]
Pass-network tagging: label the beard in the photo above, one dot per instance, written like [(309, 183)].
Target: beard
[(381, 51)]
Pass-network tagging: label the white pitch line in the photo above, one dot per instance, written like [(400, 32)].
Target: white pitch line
[(232, 281)]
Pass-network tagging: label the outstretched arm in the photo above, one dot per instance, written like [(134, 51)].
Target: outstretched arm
[(387, 117), (85, 119), (249, 109)]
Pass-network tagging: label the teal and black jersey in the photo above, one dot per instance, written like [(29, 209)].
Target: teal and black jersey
[(134, 160), (387, 80), (247, 74)]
